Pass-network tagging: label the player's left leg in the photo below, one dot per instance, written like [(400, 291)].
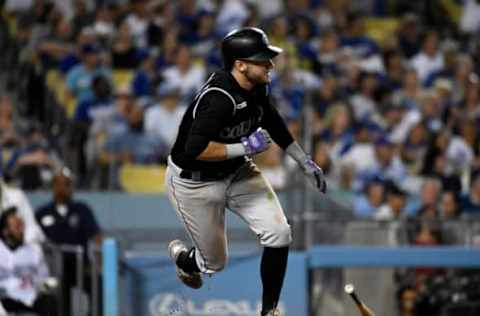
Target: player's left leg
[(253, 199)]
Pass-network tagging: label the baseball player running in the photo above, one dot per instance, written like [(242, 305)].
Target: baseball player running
[(210, 169)]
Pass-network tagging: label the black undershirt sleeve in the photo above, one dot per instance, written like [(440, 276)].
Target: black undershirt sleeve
[(213, 110), (275, 125)]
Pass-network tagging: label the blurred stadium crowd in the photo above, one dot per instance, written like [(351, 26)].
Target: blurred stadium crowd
[(389, 90)]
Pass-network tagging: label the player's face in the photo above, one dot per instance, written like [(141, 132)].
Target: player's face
[(258, 72)]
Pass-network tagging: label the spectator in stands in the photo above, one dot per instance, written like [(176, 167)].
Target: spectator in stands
[(429, 59), (289, 93), (415, 147), (163, 16), (450, 205), (188, 14), (12, 197), (134, 145), (447, 157), (124, 52), (55, 48), (407, 300), (93, 109), (394, 205), (326, 60), (450, 55), (138, 20), (168, 53), (388, 164), (33, 162), (468, 107), (383, 162), (303, 35), (204, 37), (67, 221), (429, 199), (24, 270), (336, 129), (470, 202), (355, 38), (363, 103), (464, 74), (367, 204), (411, 91), (427, 234), (408, 35), (443, 89), (279, 35), (131, 146), (146, 77), (468, 132), (79, 78), (82, 17), (395, 69), (469, 22), (185, 74), (163, 119), (8, 135), (430, 111), (103, 25), (103, 127), (326, 95), (231, 15), (88, 110)]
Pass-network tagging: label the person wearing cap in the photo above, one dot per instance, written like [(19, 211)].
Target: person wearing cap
[(79, 78), (210, 167), (88, 112), (66, 221), (162, 119), (25, 276)]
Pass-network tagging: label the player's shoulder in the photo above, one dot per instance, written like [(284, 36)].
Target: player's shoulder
[(218, 85), (219, 79)]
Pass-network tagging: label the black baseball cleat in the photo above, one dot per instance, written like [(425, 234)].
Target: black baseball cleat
[(194, 279)]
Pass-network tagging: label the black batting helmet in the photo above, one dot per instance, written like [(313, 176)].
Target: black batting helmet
[(247, 43)]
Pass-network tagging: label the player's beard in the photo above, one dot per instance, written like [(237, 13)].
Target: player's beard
[(256, 77)]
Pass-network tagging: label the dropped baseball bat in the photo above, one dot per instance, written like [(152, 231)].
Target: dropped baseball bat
[(364, 310)]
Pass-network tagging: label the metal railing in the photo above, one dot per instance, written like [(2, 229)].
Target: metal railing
[(86, 299)]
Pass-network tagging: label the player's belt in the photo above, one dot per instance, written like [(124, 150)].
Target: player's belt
[(203, 175)]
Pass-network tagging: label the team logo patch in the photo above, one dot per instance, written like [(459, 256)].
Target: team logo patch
[(241, 105), (48, 220)]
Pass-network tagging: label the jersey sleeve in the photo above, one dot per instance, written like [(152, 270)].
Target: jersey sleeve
[(275, 125), (212, 110)]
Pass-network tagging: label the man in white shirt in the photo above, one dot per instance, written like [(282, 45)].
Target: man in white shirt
[(429, 59), (14, 197), (23, 270), (184, 74), (162, 119)]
